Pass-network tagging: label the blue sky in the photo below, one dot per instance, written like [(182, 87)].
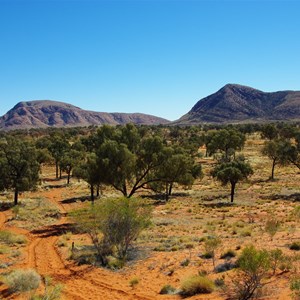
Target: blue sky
[(155, 57)]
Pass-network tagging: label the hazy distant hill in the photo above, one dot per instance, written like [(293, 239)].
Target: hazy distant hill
[(46, 113), (237, 103)]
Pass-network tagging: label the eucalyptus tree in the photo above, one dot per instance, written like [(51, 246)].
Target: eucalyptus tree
[(275, 150), (227, 141), (232, 172), (19, 166)]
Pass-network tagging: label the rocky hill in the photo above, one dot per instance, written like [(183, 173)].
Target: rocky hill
[(46, 113), (236, 103)]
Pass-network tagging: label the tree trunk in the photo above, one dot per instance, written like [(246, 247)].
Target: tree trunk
[(92, 194), (273, 168), (56, 169), (167, 192), (232, 191), (16, 196), (59, 172), (170, 188), (98, 190), (68, 180)]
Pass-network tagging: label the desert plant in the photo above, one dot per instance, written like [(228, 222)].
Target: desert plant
[(211, 244), (23, 280), (113, 224), (134, 282), (167, 290), (295, 287), (276, 256), (253, 267), (196, 285), (272, 226), (52, 291)]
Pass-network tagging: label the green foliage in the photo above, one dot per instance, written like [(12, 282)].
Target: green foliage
[(197, 285), (295, 287), (113, 225), (275, 150), (276, 257), (18, 165), (225, 140), (232, 172), (23, 280), (253, 267)]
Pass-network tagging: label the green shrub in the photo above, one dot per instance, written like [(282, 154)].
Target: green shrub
[(253, 267), (23, 280), (197, 285), (295, 287)]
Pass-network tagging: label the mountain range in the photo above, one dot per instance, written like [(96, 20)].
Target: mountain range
[(48, 113), (237, 103), (233, 103)]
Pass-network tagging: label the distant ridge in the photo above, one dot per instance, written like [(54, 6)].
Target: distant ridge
[(237, 103), (48, 113)]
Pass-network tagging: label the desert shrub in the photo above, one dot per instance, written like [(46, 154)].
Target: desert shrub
[(9, 238), (295, 287), (23, 280), (272, 226), (211, 244), (167, 290), (185, 262), (197, 285), (276, 256), (253, 267), (51, 292), (295, 246), (134, 282), (113, 225)]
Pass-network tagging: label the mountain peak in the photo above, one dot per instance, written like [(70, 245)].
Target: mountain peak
[(240, 103)]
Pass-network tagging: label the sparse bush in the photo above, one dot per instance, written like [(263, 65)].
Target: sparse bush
[(271, 227), (253, 267), (113, 225), (134, 282), (9, 238), (295, 287), (276, 256), (23, 280), (196, 285), (52, 291), (168, 290), (211, 244)]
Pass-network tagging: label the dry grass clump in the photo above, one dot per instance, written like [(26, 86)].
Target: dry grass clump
[(9, 238), (23, 280), (197, 285)]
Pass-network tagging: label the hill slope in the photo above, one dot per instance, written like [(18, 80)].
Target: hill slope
[(237, 103), (46, 113)]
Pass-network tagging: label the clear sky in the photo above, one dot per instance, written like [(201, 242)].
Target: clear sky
[(155, 57)]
